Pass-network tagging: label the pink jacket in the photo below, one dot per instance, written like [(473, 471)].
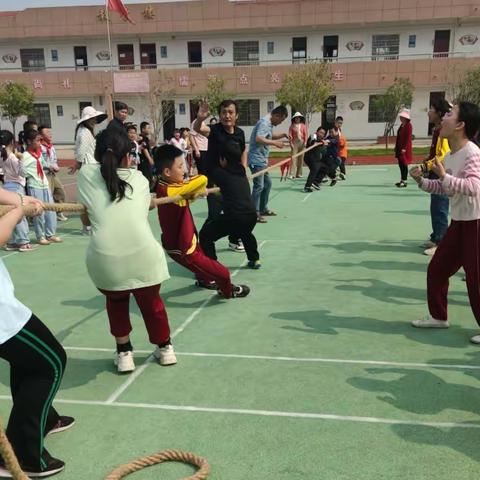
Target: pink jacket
[(461, 182), (301, 133)]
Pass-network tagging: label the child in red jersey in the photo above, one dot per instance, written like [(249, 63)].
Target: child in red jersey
[(179, 235)]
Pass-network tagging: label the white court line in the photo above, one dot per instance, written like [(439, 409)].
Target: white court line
[(113, 397), (265, 413), (297, 359), (306, 197)]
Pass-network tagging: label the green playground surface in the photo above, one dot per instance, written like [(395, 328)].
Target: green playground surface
[(317, 375)]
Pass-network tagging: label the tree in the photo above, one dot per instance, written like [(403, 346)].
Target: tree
[(161, 103), (16, 100), (399, 95), (307, 88), (215, 93), (468, 89)]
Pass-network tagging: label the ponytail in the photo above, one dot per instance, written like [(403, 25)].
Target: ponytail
[(111, 148), (6, 139)]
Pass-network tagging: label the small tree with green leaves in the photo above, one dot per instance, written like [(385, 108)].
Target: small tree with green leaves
[(468, 89), (399, 95), (16, 100), (215, 93), (307, 88)]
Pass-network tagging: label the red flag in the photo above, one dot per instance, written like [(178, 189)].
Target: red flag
[(118, 6)]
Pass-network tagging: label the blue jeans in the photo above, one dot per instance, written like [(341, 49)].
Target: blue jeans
[(20, 234), (45, 225), (261, 190), (439, 213)]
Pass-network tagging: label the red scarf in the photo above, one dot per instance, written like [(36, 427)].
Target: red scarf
[(48, 146), (37, 154)]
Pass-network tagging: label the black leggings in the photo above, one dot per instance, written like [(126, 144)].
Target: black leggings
[(403, 170), (239, 227), (37, 363)]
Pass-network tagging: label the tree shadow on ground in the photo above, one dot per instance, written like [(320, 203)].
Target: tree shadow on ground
[(418, 391), (463, 440), (361, 247), (323, 323), (386, 266), (393, 294)]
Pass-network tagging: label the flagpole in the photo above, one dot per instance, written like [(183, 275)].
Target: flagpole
[(109, 104)]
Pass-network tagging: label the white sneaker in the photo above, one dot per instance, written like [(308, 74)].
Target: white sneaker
[(124, 362), (165, 355), (428, 244), (87, 231), (429, 322), (237, 247), (475, 339), (430, 251), (61, 217)]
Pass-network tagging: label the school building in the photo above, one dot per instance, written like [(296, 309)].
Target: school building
[(64, 55)]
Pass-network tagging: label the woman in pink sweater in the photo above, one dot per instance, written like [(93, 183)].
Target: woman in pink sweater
[(298, 134), (459, 178)]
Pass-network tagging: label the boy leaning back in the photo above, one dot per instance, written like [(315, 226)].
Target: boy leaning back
[(179, 235)]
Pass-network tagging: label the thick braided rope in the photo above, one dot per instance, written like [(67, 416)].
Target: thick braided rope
[(8, 455), (79, 208), (166, 456)]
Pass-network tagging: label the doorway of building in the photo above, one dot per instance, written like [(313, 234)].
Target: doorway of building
[(330, 47), (329, 112), (441, 43), (81, 60), (148, 55), (125, 57)]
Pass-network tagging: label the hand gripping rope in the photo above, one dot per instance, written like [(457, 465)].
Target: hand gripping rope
[(79, 208)]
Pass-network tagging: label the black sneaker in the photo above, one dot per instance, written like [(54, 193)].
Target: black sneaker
[(254, 264), (342, 176), (308, 190), (333, 182), (240, 291), (54, 466), (316, 186), (63, 423), (208, 285)]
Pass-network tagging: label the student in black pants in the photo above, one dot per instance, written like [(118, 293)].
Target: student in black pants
[(37, 363), (239, 213), (314, 157)]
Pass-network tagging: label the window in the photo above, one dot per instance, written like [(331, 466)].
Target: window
[(385, 47), (54, 55), (82, 105), (59, 110), (41, 114), (375, 112), (245, 53), (412, 41), (248, 112), (270, 105), (299, 49), (270, 48), (181, 109), (163, 51), (33, 59)]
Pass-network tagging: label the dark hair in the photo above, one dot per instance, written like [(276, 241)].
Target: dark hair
[(143, 125), (112, 146), (31, 135), (469, 113), (333, 127), (28, 125), (227, 103), (86, 125), (321, 127), (441, 106), (117, 106), (165, 156), (281, 110), (339, 118), (131, 126), (6, 138), (42, 127)]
